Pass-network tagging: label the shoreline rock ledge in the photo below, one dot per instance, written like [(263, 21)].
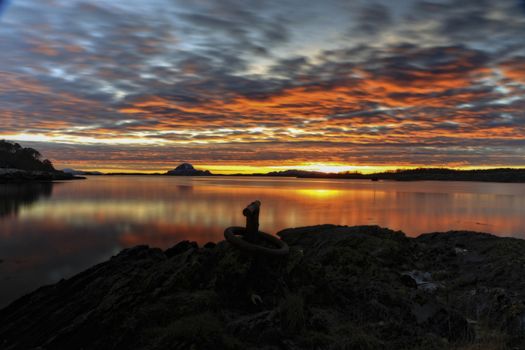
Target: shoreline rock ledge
[(362, 287)]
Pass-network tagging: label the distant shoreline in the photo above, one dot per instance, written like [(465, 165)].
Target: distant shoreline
[(502, 175), (22, 176)]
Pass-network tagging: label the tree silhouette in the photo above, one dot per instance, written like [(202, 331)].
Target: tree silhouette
[(12, 155)]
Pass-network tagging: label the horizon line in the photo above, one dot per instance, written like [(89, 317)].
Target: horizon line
[(263, 170)]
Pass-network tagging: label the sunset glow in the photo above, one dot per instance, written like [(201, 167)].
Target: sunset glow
[(234, 87)]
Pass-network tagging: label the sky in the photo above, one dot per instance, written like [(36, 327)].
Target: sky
[(250, 85)]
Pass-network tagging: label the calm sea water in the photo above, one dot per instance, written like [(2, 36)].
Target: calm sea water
[(52, 231)]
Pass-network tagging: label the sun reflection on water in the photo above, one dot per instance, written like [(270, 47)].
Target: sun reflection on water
[(78, 224), (319, 192)]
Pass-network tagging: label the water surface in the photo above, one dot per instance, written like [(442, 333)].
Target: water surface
[(52, 231)]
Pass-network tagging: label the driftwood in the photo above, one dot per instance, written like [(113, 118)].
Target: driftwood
[(250, 239)]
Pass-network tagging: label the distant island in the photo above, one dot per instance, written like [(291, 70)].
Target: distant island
[(186, 169), (20, 164), (81, 172)]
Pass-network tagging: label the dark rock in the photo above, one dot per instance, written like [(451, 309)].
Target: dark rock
[(180, 247), (341, 287), (408, 281), (250, 326), (209, 245), (452, 325)]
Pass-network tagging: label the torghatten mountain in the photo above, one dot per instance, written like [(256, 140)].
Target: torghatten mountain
[(186, 169)]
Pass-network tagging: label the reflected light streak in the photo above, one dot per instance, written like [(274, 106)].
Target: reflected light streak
[(319, 193)]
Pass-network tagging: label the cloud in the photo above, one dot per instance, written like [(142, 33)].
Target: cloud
[(140, 85)]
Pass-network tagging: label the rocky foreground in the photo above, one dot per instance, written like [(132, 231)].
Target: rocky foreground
[(341, 288)]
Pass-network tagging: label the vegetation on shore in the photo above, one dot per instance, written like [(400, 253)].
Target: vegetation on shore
[(20, 164), (341, 287), (14, 156), (509, 175)]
